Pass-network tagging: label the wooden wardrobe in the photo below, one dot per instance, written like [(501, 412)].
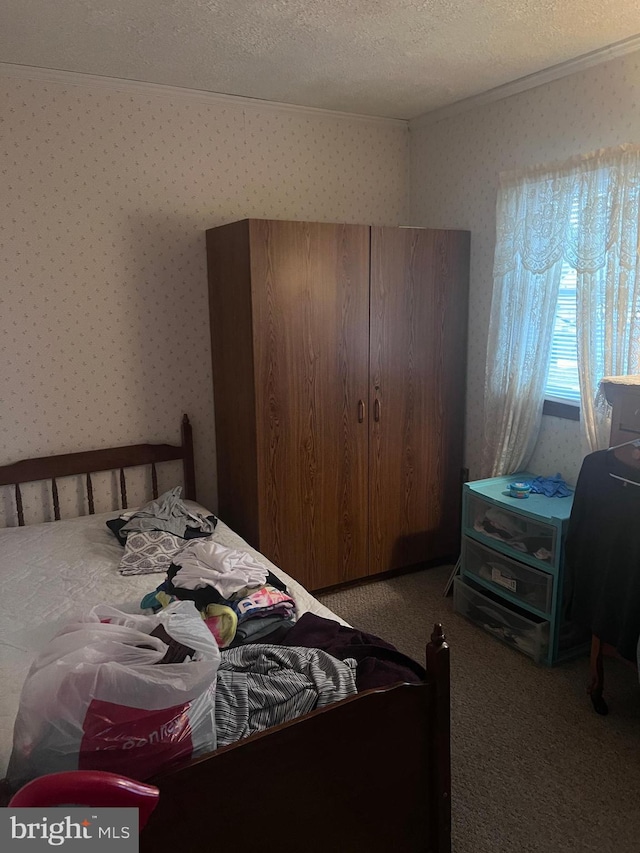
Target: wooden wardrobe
[(339, 376)]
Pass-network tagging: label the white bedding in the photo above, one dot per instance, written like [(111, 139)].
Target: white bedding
[(51, 571)]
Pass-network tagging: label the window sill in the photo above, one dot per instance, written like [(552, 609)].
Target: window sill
[(561, 410)]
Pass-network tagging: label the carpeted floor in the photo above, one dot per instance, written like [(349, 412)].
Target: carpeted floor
[(534, 768)]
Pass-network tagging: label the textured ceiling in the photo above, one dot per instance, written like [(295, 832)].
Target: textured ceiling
[(396, 58)]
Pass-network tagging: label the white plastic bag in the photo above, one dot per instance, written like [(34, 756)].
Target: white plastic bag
[(98, 698)]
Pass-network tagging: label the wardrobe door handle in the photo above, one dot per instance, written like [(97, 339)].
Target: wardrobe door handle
[(376, 410), (360, 411)]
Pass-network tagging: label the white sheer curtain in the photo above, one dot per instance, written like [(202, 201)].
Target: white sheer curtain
[(584, 211), (528, 260), (603, 246)]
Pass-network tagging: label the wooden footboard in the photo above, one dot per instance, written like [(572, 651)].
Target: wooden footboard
[(371, 773)]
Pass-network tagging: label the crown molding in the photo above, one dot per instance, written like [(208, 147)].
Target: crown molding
[(118, 84), (530, 81)]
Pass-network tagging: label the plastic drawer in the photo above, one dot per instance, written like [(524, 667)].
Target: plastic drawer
[(528, 633), (521, 535), (531, 586)]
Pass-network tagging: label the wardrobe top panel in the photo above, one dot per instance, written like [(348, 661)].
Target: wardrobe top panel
[(357, 224)]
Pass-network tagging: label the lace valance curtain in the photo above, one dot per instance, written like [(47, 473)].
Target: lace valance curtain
[(584, 212)]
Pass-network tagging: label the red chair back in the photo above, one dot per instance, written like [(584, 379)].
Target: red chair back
[(88, 788)]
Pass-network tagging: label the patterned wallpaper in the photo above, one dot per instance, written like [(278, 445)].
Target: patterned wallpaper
[(106, 194), (453, 182)]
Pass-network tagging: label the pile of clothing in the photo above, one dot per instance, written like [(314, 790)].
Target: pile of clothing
[(152, 535), (237, 596), (275, 663), (239, 599)]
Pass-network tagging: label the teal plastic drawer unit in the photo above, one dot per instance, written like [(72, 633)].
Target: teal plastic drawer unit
[(512, 567)]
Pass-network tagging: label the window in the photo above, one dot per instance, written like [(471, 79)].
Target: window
[(563, 231), (562, 379)]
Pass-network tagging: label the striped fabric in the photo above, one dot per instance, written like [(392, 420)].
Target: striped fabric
[(260, 686)]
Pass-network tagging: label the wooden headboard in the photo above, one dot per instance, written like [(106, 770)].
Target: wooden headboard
[(108, 459)]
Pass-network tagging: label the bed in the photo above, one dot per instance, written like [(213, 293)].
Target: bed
[(370, 772)]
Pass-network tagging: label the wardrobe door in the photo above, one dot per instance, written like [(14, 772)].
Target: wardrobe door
[(311, 340), (419, 287)]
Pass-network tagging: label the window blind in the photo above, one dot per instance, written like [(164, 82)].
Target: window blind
[(562, 379)]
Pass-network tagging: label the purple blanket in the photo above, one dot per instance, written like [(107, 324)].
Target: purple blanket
[(379, 663)]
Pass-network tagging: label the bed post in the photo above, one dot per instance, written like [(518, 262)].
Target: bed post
[(188, 466), (438, 674)]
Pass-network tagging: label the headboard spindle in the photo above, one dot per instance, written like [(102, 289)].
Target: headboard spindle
[(90, 494), (19, 508), (56, 500), (123, 489)]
